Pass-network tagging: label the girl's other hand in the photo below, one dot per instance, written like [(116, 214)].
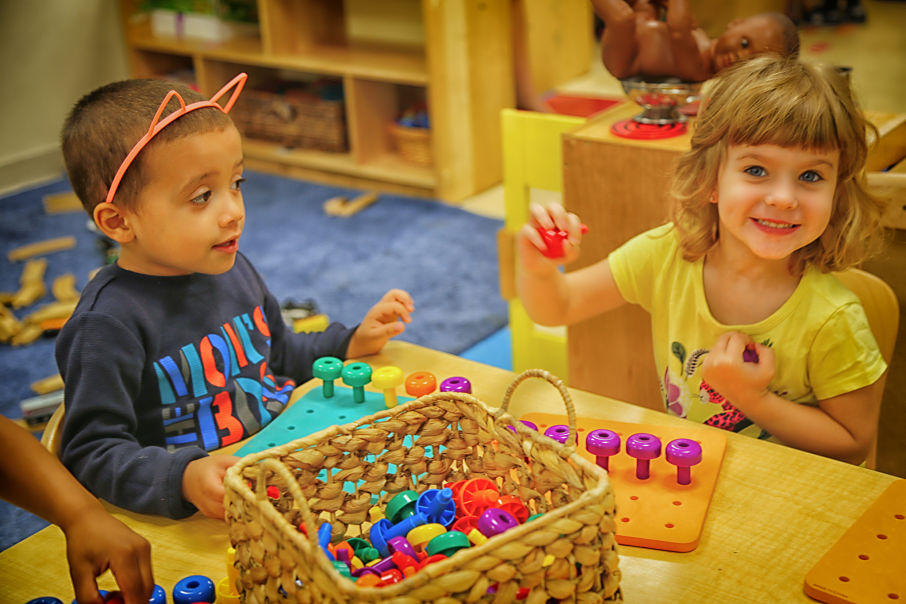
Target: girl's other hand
[(735, 372)]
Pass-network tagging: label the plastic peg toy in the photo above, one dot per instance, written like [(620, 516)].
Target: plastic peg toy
[(559, 433), (447, 544), (193, 589), (226, 593), (368, 580), (431, 560), (357, 375), (527, 424), (465, 524), (401, 506), (477, 495), (643, 447), (515, 506), (45, 600), (389, 577), (420, 383), (456, 384), (553, 240), (494, 521), (683, 453), (401, 544), (603, 444), (421, 535), (403, 561), (327, 369), (437, 506), (386, 379), (383, 530), (476, 538), (159, 596), (342, 568), (324, 540)]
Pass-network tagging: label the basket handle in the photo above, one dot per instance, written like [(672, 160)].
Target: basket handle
[(564, 394)]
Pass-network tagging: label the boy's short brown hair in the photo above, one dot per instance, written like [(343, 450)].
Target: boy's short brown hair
[(104, 125)]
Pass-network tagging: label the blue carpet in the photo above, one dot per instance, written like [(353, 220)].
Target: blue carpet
[(445, 257)]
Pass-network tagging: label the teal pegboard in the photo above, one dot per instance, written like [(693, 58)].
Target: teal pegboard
[(312, 413)]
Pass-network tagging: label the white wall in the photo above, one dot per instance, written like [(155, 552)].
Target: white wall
[(51, 53)]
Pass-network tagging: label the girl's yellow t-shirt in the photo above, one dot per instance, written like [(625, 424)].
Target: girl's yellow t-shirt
[(820, 336)]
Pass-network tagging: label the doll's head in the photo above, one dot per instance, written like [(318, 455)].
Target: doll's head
[(751, 36), (106, 124), (771, 100)]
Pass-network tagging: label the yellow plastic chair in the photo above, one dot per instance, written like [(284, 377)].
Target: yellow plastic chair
[(532, 159), (53, 431), (883, 312)]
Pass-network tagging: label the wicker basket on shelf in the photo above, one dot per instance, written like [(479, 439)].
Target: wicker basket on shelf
[(566, 553), (292, 119), (412, 144)]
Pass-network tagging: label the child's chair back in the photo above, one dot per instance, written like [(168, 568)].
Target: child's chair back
[(883, 312), (532, 159)]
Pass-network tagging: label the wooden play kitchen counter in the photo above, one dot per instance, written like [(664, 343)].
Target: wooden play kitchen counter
[(774, 513)]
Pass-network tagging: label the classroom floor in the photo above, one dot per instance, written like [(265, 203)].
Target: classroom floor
[(876, 52)]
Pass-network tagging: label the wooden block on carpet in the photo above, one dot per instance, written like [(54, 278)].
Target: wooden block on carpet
[(58, 203)]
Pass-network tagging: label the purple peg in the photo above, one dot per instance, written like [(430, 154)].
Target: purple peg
[(683, 453), (603, 444), (456, 384), (494, 521), (643, 447), (559, 433)]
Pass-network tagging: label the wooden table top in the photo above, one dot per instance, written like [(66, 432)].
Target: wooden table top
[(774, 513)]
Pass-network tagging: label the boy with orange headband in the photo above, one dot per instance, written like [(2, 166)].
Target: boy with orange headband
[(179, 348)]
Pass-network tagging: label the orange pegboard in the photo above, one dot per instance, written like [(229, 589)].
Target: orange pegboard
[(868, 563), (656, 512)]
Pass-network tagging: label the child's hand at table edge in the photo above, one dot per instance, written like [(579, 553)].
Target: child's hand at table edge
[(531, 245), (739, 381), (202, 483), (95, 542), (383, 321)]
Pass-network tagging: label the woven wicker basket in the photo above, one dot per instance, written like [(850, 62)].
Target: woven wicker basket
[(412, 144), (301, 121), (567, 554)]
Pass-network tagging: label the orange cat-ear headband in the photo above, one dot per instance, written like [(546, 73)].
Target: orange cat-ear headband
[(158, 124)]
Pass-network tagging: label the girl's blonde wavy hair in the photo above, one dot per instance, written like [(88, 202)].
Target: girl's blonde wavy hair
[(784, 102)]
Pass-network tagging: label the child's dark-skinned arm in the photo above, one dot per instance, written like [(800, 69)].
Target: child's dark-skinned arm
[(35, 480)]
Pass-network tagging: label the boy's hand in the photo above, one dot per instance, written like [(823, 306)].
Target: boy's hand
[(532, 247), (726, 369), (202, 483), (96, 542), (385, 320)]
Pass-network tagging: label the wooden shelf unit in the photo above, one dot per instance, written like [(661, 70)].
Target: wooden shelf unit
[(459, 61)]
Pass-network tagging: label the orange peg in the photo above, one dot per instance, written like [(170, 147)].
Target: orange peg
[(420, 383)]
